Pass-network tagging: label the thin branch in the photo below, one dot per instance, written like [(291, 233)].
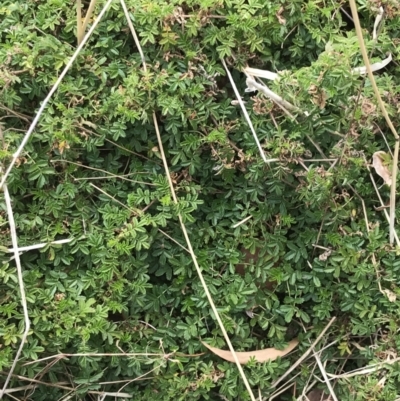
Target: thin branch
[(39, 246), (306, 389), (136, 212), (50, 94), (63, 387), (384, 138), (282, 390), (87, 18), (111, 394), (283, 104), (324, 375), (364, 371), (134, 35), (27, 322), (319, 160), (16, 114), (115, 144), (242, 221), (141, 377), (251, 83), (381, 200), (185, 233), (174, 240), (79, 30), (246, 114), (305, 355), (22, 388), (13, 398), (374, 261), (111, 175), (99, 354)]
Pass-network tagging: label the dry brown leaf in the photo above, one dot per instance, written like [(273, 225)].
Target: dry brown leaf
[(390, 295), (381, 169), (278, 14), (324, 256), (262, 355)]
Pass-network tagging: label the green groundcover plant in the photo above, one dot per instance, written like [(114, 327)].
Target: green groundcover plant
[(92, 172)]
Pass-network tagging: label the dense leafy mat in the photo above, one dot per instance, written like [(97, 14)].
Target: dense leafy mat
[(123, 285)]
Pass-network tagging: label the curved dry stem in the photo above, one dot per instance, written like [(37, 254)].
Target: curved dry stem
[(79, 30), (87, 19), (246, 114), (27, 322), (305, 355), (183, 227), (385, 114)]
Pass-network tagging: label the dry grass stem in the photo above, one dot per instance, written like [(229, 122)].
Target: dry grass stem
[(110, 141), (39, 246), (324, 375), (136, 212), (111, 394), (27, 323), (364, 371), (183, 227), (17, 389), (62, 386), (368, 230), (306, 389), (242, 222), (319, 160), (280, 391), (246, 114), (110, 175), (50, 94), (24, 117), (305, 355), (381, 201), (134, 35), (283, 104), (100, 354), (252, 84), (174, 240), (79, 30), (141, 377), (385, 114), (387, 293), (384, 138), (89, 13), (260, 73)]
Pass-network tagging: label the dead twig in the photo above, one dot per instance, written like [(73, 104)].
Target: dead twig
[(305, 355), (27, 322), (183, 227)]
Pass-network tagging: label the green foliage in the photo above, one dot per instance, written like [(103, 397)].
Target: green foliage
[(125, 282)]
